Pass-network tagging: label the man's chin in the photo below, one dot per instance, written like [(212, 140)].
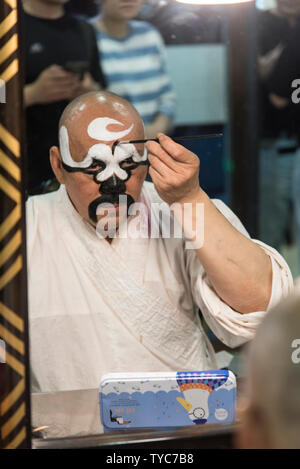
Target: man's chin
[(110, 205), (109, 220), (111, 211)]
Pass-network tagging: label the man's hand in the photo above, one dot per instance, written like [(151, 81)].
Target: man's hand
[(174, 170), (278, 101), (53, 84), (238, 269), (84, 86)]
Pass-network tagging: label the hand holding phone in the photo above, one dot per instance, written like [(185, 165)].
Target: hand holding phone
[(53, 84), (78, 68)]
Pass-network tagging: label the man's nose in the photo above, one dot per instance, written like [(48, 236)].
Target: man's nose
[(112, 185)]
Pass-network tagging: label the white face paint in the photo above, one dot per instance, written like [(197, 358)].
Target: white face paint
[(97, 129), (101, 152), (65, 151), (104, 154)]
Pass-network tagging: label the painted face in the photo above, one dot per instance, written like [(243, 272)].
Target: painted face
[(101, 160), (109, 166)]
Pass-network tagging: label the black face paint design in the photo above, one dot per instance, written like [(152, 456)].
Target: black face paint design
[(112, 188), (114, 146), (108, 198), (127, 165)]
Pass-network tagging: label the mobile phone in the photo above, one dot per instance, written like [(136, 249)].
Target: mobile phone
[(78, 68)]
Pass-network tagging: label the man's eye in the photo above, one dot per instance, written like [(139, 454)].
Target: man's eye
[(97, 164), (128, 162)]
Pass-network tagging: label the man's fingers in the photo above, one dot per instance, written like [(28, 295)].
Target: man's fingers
[(59, 95), (60, 74), (56, 70), (155, 149), (178, 152), (65, 81), (156, 176), (159, 165)]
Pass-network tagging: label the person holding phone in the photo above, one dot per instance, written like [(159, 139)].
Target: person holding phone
[(279, 156), (61, 63), (133, 58)]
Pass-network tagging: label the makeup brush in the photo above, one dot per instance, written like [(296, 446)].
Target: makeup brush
[(176, 139)]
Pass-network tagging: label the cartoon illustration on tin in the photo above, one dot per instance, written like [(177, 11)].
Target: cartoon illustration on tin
[(167, 399), (119, 419), (196, 395)]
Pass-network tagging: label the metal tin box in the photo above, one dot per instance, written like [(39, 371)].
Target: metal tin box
[(166, 399)]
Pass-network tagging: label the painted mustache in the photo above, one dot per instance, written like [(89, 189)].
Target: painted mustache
[(113, 198)]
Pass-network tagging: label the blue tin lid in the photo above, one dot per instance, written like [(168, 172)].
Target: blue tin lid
[(167, 399)]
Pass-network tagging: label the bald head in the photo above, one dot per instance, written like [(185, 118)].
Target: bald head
[(97, 118), (87, 107), (274, 375), (93, 166)]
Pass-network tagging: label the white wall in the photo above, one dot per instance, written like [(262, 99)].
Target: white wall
[(199, 75), (265, 4)]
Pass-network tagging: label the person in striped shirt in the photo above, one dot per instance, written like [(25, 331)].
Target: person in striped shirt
[(134, 65)]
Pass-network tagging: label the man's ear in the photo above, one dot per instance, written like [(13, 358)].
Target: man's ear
[(56, 163)]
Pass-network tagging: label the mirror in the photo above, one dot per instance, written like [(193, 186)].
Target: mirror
[(216, 92)]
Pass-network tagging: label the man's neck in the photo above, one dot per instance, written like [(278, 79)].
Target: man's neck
[(114, 28), (43, 9)]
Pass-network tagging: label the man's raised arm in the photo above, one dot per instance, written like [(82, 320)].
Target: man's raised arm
[(239, 269)]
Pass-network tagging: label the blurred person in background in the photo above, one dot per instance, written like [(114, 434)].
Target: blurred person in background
[(279, 36), (183, 23), (134, 64), (271, 418), (61, 63)]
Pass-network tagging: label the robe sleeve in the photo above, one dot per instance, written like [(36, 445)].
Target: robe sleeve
[(230, 326)]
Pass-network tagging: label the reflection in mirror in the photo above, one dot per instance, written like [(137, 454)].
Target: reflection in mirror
[(278, 68), (100, 296), (195, 40), (195, 50)]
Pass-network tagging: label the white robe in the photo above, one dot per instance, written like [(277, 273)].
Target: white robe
[(131, 305)]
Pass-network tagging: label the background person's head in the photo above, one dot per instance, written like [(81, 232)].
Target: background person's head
[(271, 419), (120, 10), (51, 9), (289, 8), (87, 163), (45, 2)]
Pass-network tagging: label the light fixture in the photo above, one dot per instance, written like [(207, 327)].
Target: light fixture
[(213, 2)]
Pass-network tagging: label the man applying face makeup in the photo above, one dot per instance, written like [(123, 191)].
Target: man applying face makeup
[(109, 303)]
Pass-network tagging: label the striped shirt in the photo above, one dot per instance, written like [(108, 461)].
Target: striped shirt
[(135, 68)]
